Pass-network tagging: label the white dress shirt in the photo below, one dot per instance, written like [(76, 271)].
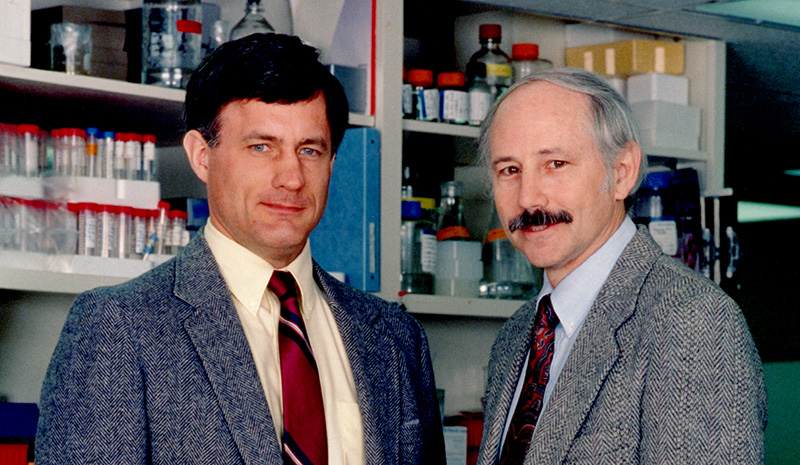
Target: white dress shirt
[(572, 299), (247, 276)]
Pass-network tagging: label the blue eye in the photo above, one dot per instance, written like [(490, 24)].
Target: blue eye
[(259, 147)]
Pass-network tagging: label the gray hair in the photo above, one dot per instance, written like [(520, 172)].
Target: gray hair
[(613, 124)]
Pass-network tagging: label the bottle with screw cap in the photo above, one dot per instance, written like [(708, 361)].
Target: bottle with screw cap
[(525, 60), (496, 62)]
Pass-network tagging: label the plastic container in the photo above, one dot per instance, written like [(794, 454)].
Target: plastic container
[(408, 97), (107, 226), (451, 225), (453, 98), (417, 236), (171, 41), (28, 149), (148, 157), (424, 94), (92, 165), (525, 60)]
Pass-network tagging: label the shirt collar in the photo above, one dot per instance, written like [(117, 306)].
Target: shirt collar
[(247, 274), (573, 297)]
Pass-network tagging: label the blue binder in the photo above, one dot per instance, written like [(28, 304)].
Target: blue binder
[(347, 238)]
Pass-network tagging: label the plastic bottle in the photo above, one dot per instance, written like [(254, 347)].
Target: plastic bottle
[(252, 23), (453, 98), (480, 97), (29, 149), (108, 154), (148, 157), (407, 96), (120, 140), (425, 95), (8, 148), (171, 41), (92, 166), (497, 63), (525, 60)]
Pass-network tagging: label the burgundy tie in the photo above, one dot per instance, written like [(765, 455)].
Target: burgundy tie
[(529, 406), (304, 435)]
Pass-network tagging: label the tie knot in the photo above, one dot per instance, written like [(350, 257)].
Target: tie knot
[(283, 285), (547, 315)]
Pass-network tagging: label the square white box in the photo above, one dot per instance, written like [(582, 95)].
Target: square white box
[(670, 125), (15, 32), (668, 139), (661, 87)]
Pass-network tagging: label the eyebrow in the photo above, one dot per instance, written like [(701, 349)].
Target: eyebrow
[(546, 151), (258, 136)]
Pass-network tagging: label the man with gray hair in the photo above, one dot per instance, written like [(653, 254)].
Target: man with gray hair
[(626, 356)]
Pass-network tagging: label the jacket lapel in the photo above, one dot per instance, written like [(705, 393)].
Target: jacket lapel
[(221, 344), (595, 352), (375, 369)]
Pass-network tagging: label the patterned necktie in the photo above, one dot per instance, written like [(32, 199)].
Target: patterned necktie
[(304, 434), (520, 430)]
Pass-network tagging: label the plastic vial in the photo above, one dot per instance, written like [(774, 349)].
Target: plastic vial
[(177, 227), (124, 246), (425, 95), (253, 22), (415, 276), (171, 41), (161, 226), (154, 240), (451, 217), (119, 155), (140, 220), (453, 98), (75, 141), (148, 157), (8, 148), (497, 63), (87, 228), (108, 154), (107, 225), (525, 60), (29, 149), (91, 152), (133, 156)]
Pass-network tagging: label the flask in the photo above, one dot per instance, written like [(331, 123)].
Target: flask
[(425, 96), (451, 225), (253, 22), (171, 41), (417, 238), (453, 99), (507, 273), (497, 63), (525, 60)]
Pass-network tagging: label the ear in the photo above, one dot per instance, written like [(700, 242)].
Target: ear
[(197, 150), (626, 169)]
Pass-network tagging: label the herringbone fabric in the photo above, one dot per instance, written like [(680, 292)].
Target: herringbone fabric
[(158, 370), (304, 434), (537, 374), (663, 371)]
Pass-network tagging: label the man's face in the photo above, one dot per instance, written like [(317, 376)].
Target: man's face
[(550, 181), (267, 179)]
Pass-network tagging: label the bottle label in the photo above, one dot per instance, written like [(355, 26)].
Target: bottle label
[(408, 101), (427, 104), (452, 232), (495, 234), (455, 106), (499, 70), (665, 233), (428, 252), (479, 104)]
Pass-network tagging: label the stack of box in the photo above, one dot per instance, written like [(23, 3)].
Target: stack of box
[(660, 104), (649, 73), (15, 32), (109, 59)]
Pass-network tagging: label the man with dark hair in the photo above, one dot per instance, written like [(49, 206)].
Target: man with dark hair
[(626, 356), (242, 349)]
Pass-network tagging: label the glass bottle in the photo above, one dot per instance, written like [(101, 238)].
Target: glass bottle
[(172, 41), (525, 60), (417, 238), (497, 63), (480, 97), (253, 22), (451, 224)]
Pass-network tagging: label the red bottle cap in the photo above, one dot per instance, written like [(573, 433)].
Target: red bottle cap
[(524, 52), (420, 77), (490, 31), (454, 79)]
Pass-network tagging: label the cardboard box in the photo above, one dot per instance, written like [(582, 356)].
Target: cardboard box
[(583, 34), (660, 87), (629, 57), (109, 59), (670, 125), (15, 32)]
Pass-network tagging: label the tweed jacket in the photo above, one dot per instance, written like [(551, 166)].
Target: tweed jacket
[(158, 370), (663, 371)]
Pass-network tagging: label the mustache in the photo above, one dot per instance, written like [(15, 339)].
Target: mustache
[(538, 217)]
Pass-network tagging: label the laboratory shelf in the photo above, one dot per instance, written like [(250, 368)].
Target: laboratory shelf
[(474, 307), (445, 129)]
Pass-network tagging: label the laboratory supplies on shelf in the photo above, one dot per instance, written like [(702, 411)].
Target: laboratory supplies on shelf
[(453, 98), (495, 61), (253, 21), (525, 60), (171, 41)]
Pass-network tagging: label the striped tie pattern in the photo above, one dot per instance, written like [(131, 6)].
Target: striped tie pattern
[(529, 406), (304, 432)]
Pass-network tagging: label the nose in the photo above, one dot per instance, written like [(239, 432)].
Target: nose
[(531, 191), (288, 172)]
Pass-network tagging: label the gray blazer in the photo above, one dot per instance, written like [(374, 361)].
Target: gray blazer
[(664, 370), (158, 370)]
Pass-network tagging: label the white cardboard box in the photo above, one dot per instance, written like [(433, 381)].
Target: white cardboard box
[(15, 32), (665, 124), (656, 86)]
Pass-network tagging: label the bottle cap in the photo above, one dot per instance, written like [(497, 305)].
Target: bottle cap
[(451, 189), (420, 77), (92, 131), (490, 31), (27, 128), (524, 52), (454, 79), (411, 209), (149, 138)]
